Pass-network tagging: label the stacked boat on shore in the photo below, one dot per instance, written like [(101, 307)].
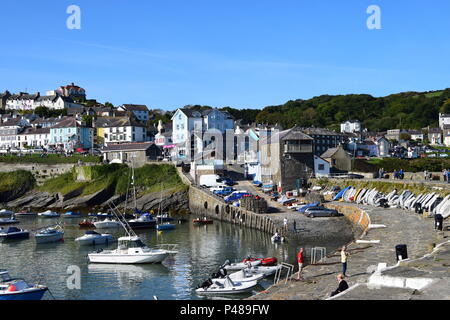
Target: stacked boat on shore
[(432, 202)]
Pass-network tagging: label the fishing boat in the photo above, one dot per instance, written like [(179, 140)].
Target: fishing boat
[(264, 261), (86, 224), (240, 265), (8, 221), (71, 215), (227, 286), (6, 213), (202, 221), (48, 214), (13, 233), (94, 238), (144, 221), (107, 224), (49, 235), (19, 289)]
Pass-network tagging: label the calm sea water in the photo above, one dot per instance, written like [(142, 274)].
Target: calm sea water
[(202, 249)]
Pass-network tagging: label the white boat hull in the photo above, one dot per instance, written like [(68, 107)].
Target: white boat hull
[(49, 239), (94, 241), (106, 225), (240, 287), (241, 265), (156, 257)]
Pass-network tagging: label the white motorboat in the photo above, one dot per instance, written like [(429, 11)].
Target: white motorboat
[(49, 235), (107, 224), (131, 250), (265, 271), (93, 238), (19, 289), (8, 221), (227, 286), (276, 238), (6, 213), (49, 214), (240, 265), (239, 276)]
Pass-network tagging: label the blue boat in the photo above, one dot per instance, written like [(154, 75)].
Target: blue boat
[(165, 226), (19, 289), (340, 194), (13, 233)]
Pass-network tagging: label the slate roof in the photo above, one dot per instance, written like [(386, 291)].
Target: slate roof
[(135, 107), (329, 153), (108, 122), (141, 146)]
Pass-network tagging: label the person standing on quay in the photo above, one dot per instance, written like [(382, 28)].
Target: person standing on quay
[(300, 263), (445, 173), (344, 258)]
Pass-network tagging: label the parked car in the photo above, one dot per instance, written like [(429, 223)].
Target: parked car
[(321, 212), (227, 181), (443, 155), (224, 192), (432, 155)]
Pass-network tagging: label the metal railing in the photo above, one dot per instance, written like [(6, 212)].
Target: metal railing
[(290, 271), (322, 251)]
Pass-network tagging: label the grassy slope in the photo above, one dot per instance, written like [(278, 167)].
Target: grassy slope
[(117, 177), (15, 180), (49, 159)]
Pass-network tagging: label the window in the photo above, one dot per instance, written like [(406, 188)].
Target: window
[(321, 167)]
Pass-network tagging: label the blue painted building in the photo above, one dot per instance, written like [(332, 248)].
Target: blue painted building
[(70, 134)]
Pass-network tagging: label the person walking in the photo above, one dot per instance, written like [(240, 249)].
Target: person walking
[(343, 285), (300, 263), (444, 174), (448, 176), (285, 224), (425, 174), (344, 258)]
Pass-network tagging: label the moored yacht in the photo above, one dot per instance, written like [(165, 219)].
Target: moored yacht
[(144, 221)]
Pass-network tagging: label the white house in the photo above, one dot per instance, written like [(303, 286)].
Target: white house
[(34, 137), (25, 101), (141, 112), (321, 167), (444, 119), (202, 128), (351, 126), (121, 130), (9, 130)]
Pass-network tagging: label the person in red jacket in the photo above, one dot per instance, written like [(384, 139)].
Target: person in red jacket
[(300, 263)]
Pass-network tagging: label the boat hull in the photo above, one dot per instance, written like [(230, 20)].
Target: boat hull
[(15, 236), (142, 225), (127, 258), (94, 241), (106, 225), (29, 294), (49, 239)]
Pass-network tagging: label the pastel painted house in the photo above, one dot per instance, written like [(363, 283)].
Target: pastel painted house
[(70, 134)]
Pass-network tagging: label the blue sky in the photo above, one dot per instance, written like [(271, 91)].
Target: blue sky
[(244, 54)]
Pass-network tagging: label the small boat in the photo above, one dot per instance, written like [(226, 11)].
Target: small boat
[(144, 221), (70, 214), (8, 221), (48, 214), (19, 289), (276, 238), (13, 233), (265, 271), (101, 215), (130, 250), (240, 265), (49, 235), (94, 238), (165, 226), (6, 213), (240, 276), (86, 224), (164, 218), (107, 224), (26, 213), (203, 221), (264, 261), (226, 286)]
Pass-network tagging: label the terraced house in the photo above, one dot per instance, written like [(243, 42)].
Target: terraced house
[(71, 133), (116, 130)]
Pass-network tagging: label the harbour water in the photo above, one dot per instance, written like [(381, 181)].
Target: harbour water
[(202, 249)]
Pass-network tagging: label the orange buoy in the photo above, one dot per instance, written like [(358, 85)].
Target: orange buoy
[(12, 288)]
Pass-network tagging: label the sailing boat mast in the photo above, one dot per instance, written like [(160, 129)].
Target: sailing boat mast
[(133, 182)]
